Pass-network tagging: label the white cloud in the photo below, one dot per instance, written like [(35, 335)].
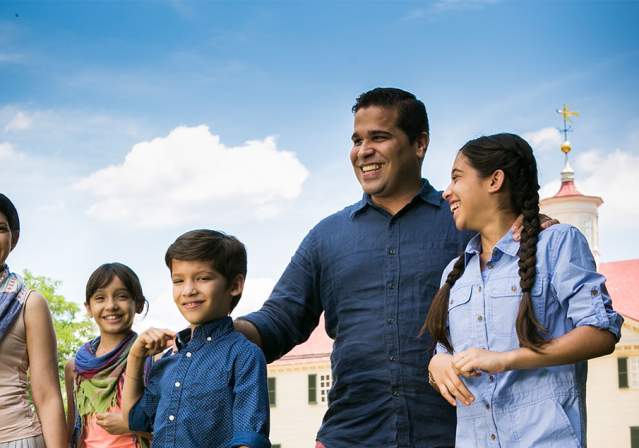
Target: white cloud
[(7, 152), (19, 122), (614, 176), (543, 140), (190, 174)]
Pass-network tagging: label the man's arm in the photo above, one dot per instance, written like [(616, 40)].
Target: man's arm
[(292, 311)]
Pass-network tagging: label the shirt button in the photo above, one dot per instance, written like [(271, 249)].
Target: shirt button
[(513, 288), (171, 417), (389, 321), (395, 393), (391, 285), (177, 384), (480, 318), (392, 358), (479, 288), (491, 378), (493, 437), (391, 251), (208, 338), (487, 406), (188, 354)]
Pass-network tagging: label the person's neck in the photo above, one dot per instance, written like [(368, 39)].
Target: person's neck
[(393, 204), (108, 342), (499, 224)]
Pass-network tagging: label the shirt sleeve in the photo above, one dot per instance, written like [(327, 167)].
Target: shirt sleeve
[(250, 405), (580, 289), (293, 309), (142, 414)]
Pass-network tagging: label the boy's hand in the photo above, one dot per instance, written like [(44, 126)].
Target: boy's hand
[(447, 381), (152, 341), (112, 422)]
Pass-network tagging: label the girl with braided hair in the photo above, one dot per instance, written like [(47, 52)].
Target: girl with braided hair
[(514, 322)]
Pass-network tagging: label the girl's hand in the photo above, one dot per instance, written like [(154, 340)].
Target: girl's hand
[(448, 383), (469, 362), (152, 341), (112, 422)]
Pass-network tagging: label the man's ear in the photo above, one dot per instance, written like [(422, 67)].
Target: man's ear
[(422, 141), (496, 181)]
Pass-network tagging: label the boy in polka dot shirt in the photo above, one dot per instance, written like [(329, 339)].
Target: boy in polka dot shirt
[(210, 389)]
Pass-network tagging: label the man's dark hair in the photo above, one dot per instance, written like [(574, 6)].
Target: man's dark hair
[(226, 253), (411, 112)]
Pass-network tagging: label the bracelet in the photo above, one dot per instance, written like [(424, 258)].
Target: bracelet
[(431, 380)]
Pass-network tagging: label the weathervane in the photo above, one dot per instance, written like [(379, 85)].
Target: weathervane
[(567, 114)]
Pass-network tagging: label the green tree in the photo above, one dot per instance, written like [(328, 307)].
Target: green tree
[(72, 327)]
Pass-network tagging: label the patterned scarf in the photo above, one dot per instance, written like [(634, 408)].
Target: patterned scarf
[(13, 294), (97, 380), (98, 377)]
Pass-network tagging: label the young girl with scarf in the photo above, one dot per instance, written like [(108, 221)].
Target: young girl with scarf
[(27, 355), (95, 377)]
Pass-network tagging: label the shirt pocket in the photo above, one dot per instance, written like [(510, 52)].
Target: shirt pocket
[(459, 317), (504, 298), (542, 424)]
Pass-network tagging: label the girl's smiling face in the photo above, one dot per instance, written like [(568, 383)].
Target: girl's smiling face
[(469, 196), (112, 307)]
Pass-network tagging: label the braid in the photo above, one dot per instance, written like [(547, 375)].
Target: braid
[(526, 198), (437, 316)]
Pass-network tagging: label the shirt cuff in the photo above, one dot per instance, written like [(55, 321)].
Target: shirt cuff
[(250, 439), (138, 420), (262, 324), (440, 348)]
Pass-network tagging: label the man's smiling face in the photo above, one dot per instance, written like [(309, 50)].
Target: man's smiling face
[(386, 164)]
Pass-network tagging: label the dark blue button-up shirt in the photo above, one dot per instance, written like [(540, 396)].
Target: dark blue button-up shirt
[(374, 276), (211, 392)]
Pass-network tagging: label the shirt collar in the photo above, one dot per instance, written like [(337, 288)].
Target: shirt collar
[(214, 329), (427, 194), (506, 245)]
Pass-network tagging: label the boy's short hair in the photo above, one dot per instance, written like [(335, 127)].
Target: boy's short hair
[(226, 253)]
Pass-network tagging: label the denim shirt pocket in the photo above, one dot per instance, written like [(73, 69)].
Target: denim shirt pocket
[(504, 300), (459, 317)]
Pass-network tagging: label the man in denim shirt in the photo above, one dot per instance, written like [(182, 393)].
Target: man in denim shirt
[(373, 269)]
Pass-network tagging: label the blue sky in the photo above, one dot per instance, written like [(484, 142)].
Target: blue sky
[(168, 93)]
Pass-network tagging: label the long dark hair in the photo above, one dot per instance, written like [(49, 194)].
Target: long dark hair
[(514, 156)]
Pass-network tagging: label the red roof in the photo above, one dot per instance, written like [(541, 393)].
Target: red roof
[(318, 345), (568, 188), (623, 286)]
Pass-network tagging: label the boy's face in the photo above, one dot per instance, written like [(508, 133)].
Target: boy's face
[(200, 292)]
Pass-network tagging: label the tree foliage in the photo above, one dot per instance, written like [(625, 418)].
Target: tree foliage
[(72, 327)]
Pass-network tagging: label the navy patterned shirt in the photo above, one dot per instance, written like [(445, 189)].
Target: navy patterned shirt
[(211, 392), (374, 276)]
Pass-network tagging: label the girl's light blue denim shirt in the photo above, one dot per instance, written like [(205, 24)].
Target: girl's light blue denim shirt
[(544, 407)]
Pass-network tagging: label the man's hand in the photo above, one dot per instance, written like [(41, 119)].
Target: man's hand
[(152, 341), (447, 382), (518, 225), (112, 422), (470, 362)]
